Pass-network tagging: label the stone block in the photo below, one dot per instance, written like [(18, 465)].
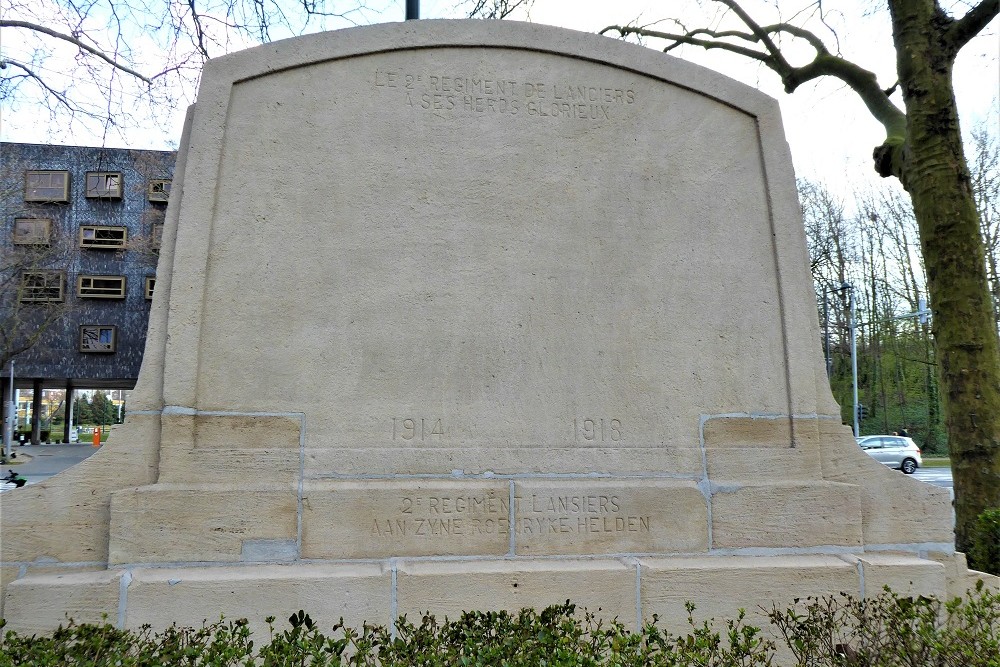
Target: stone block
[(391, 518), (819, 514), (511, 460), (583, 516), (720, 586), (170, 522), (904, 574), (41, 603), (763, 449), (896, 509), (604, 587), (220, 448), (357, 592)]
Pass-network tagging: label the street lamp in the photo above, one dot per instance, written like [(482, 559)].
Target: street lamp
[(854, 355), (8, 426)]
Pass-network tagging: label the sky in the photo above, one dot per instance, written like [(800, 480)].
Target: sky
[(830, 133)]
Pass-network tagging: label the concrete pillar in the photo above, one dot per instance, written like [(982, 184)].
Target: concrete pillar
[(67, 411), (36, 411)]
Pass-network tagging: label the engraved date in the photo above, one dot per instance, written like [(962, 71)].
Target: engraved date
[(417, 428)]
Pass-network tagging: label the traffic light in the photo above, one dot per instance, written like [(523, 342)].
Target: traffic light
[(862, 412)]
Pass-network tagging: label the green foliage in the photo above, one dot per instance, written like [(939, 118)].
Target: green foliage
[(985, 552), (839, 631), (890, 630)]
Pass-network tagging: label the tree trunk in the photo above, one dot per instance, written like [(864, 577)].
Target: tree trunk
[(932, 168)]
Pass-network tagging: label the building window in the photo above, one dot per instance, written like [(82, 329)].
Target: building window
[(103, 238), (150, 284), (46, 186), (42, 286), (98, 337), (159, 190), (100, 287), (156, 236), (104, 184), (32, 231)]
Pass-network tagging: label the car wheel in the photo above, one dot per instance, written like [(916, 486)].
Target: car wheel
[(909, 466)]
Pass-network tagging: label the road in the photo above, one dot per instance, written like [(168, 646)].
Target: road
[(935, 476)]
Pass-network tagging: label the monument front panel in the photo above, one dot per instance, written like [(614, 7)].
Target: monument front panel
[(459, 313)]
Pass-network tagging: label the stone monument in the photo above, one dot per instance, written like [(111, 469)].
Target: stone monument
[(456, 314)]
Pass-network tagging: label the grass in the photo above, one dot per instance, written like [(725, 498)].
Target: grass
[(936, 462)]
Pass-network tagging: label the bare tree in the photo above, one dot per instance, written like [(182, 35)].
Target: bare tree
[(113, 65), (985, 166), (32, 295), (923, 149)]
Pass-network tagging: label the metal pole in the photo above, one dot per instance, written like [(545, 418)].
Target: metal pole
[(854, 359), (8, 425), (412, 10)]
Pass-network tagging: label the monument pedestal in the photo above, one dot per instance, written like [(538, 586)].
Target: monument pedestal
[(456, 315)]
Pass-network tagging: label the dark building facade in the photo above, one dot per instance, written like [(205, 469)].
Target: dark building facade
[(78, 253)]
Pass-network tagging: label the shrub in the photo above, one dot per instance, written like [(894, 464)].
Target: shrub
[(839, 631), (891, 630), (985, 552)]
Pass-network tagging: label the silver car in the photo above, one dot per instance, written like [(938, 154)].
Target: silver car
[(894, 451)]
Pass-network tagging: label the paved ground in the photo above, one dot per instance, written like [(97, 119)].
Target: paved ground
[(936, 476), (38, 462)]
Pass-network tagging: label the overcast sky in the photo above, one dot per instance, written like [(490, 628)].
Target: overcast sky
[(830, 132)]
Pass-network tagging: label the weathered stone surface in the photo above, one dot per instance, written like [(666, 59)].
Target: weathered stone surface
[(604, 587), (41, 603), (896, 509), (554, 517), (753, 448), (383, 519), (221, 449), (786, 515), (512, 460), (357, 592), (719, 587), (903, 573), (443, 259), (170, 523), (65, 518)]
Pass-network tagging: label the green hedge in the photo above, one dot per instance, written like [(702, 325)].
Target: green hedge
[(985, 552), (840, 631)]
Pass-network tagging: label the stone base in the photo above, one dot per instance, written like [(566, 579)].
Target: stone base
[(627, 588)]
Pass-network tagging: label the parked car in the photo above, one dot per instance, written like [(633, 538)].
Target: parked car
[(894, 451)]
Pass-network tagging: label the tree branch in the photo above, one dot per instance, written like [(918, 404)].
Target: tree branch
[(76, 42), (977, 18), (863, 82), (679, 39)]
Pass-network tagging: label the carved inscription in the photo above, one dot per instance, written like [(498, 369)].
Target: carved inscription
[(443, 94), (598, 430), (441, 516), (417, 428), (570, 513)]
